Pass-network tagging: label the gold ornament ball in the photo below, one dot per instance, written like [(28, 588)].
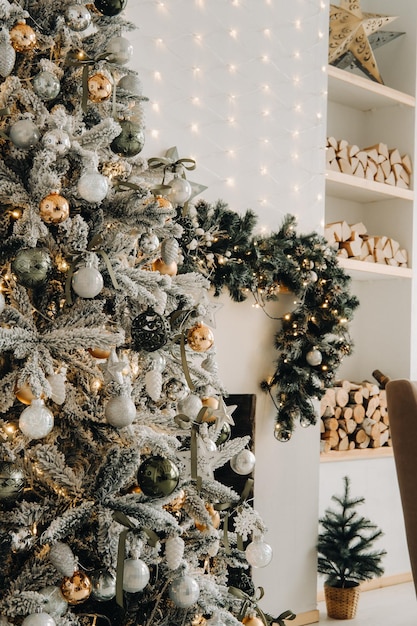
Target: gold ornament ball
[(170, 269), (24, 394), (252, 620), (77, 588), (99, 353), (163, 202), (200, 338), (22, 37), (214, 516), (54, 208), (99, 87), (211, 402)]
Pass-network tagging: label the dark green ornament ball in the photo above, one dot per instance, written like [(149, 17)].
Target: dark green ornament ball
[(110, 7), (158, 477), (32, 267), (130, 141), (12, 481), (224, 434)]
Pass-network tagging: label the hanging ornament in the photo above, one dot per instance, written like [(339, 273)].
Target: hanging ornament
[(135, 575), (7, 54), (184, 591), (39, 619), (87, 282), (148, 243), (120, 411), (200, 337), (214, 516), (24, 393), (119, 50), (57, 140), (224, 435), (153, 384), (158, 477), (174, 551), (12, 481), (24, 134), (180, 190), (77, 588), (103, 585), (99, 87), (36, 421), (281, 433), (77, 17), (211, 402), (190, 405), (92, 186), (252, 620), (314, 357), (163, 268), (100, 353), (63, 559), (46, 85), (130, 141), (54, 208), (32, 266), (55, 603), (110, 7), (2, 302), (162, 202), (149, 331), (57, 384), (131, 84), (175, 390), (258, 553), (22, 37), (169, 250), (243, 462)]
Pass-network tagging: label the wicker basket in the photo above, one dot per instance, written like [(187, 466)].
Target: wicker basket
[(341, 602)]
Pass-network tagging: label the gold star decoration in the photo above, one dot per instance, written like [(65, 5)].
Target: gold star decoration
[(349, 29)]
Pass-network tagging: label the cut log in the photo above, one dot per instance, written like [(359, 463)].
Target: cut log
[(358, 413), (342, 396), (406, 161)]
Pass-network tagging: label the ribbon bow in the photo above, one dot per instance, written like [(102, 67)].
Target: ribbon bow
[(81, 59), (249, 601)]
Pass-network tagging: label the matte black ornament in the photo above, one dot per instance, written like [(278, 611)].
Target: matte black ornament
[(32, 266), (130, 141), (110, 7), (149, 331), (158, 477), (12, 481)]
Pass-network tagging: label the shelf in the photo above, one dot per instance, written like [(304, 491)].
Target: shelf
[(356, 455), (358, 189), (361, 270), (362, 93)]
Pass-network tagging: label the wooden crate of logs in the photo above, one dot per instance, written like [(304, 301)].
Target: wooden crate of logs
[(354, 416), (352, 241), (378, 162)]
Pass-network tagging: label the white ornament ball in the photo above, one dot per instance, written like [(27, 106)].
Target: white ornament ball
[(46, 85), (120, 411), (24, 134), (93, 187), (2, 302), (36, 421), (243, 462), (314, 357), (39, 619), (135, 575), (190, 406), (120, 50), (57, 140), (87, 282), (184, 591), (258, 553), (55, 605), (180, 190)]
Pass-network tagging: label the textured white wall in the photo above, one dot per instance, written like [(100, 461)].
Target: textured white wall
[(239, 86)]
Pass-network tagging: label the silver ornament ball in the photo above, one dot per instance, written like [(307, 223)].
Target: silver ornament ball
[(120, 50), (135, 575), (39, 619), (120, 411), (24, 134), (184, 591), (148, 243), (131, 84), (243, 462), (92, 186), (258, 553), (57, 140), (87, 282), (55, 605), (103, 585), (46, 85), (77, 17), (314, 357), (180, 190)]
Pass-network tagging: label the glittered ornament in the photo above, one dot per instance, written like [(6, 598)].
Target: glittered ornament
[(92, 186), (2, 302), (184, 591), (57, 140), (103, 585), (130, 141), (281, 433), (135, 575), (119, 50), (57, 384), (39, 619), (153, 384), (24, 134), (174, 551), (99, 87), (62, 558), (32, 266), (7, 57), (149, 331), (120, 411), (36, 421), (77, 588), (12, 481), (169, 250), (54, 208), (160, 266), (175, 390), (77, 17), (87, 282), (22, 37), (158, 476), (180, 191), (200, 337), (100, 353), (314, 357), (46, 85), (243, 462), (131, 84), (55, 603), (258, 553)]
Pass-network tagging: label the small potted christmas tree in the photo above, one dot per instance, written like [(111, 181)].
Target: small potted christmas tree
[(345, 554)]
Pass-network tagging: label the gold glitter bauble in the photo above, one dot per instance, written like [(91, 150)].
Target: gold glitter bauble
[(99, 353), (99, 87), (112, 169), (170, 269), (76, 588), (200, 337), (54, 208), (22, 37)]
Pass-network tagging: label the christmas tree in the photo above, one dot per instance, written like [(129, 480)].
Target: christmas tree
[(112, 416)]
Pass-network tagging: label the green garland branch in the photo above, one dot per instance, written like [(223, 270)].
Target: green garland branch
[(313, 338)]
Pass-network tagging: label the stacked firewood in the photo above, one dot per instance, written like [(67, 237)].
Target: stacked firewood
[(353, 241), (354, 416), (377, 162)]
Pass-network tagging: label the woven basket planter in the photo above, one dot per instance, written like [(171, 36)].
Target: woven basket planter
[(341, 602)]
